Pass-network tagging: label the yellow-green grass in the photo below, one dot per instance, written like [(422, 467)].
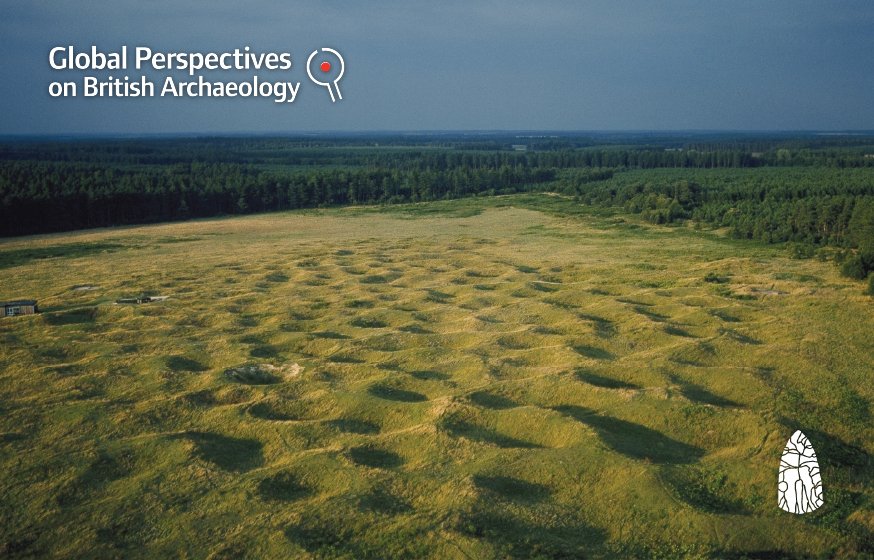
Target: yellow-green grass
[(476, 379)]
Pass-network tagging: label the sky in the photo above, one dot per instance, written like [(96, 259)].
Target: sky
[(464, 65)]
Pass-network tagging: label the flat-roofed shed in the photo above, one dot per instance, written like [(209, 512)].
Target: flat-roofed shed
[(18, 307)]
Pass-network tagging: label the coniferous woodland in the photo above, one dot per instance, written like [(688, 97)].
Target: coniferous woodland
[(810, 189)]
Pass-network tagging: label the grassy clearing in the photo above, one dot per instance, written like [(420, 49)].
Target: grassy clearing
[(496, 377)]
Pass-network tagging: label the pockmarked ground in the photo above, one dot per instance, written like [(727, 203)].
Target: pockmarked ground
[(510, 377)]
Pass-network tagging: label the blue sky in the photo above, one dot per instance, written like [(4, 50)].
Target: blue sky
[(468, 65)]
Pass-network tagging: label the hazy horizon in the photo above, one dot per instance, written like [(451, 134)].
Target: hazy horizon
[(522, 133), (626, 66)]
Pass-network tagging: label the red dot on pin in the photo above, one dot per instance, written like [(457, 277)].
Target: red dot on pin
[(326, 66)]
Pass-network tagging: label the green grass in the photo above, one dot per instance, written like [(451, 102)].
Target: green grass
[(515, 376)]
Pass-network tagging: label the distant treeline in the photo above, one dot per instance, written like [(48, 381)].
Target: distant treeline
[(810, 189), (40, 197), (810, 206), (443, 153)]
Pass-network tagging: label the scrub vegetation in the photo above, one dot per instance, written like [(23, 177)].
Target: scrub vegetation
[(517, 376)]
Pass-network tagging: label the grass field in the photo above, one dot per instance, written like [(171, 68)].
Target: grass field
[(485, 378)]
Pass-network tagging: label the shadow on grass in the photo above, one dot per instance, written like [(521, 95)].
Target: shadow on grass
[(395, 394), (674, 330), (354, 426), (436, 296), (604, 328), (380, 500), (847, 467), (430, 375), (380, 278), (650, 314), (525, 269), (64, 370), (512, 488), (593, 352), (16, 257), (473, 432), (344, 359), (12, 437), (324, 540), (227, 453), (699, 394), (375, 457), (739, 336), (516, 538), (541, 287), (604, 382), (264, 351), (247, 321), (267, 411), (368, 323), (414, 329), (725, 316), (759, 554), (104, 469), (211, 397), (72, 317), (284, 486), (181, 363), (331, 335), (127, 527), (705, 490), (511, 342), (633, 440), (492, 400)]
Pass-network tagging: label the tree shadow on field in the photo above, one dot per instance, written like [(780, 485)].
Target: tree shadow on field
[(633, 440), (18, 257)]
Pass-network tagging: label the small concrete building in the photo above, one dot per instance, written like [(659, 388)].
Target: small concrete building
[(20, 307)]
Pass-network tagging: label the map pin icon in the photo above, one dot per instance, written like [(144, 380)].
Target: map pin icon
[(326, 67)]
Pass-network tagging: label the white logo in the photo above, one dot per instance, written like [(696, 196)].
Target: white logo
[(326, 68), (799, 486)]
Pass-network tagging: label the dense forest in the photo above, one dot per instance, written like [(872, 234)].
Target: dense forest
[(810, 189)]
